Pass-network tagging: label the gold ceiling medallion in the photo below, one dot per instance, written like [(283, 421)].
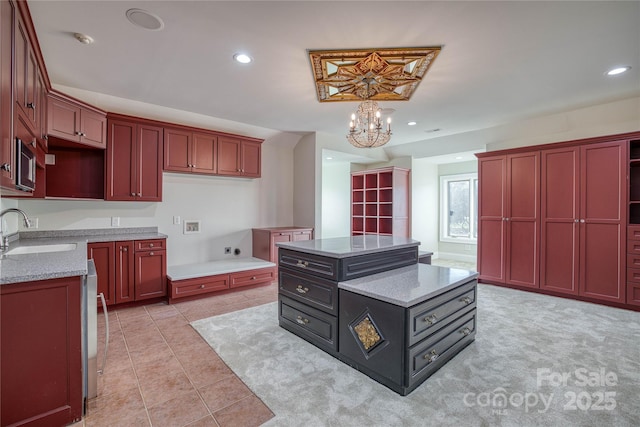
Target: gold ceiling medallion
[(370, 74)]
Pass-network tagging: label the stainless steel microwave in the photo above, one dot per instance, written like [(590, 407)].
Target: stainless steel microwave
[(25, 167)]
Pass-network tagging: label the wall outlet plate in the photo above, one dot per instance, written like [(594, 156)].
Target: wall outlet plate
[(115, 221), (33, 222), (227, 250)]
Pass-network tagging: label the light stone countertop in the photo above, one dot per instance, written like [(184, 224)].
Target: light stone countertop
[(52, 265), (344, 247), (411, 285), (212, 268)]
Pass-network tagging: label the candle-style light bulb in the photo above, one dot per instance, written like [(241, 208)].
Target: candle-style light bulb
[(388, 124)]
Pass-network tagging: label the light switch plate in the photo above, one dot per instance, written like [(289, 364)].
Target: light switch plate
[(176, 220), (115, 221)]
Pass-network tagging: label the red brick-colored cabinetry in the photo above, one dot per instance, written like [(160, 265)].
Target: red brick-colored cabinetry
[(238, 157), (150, 269), (265, 240), (186, 151), (72, 121), (40, 336), (134, 161), (576, 196)]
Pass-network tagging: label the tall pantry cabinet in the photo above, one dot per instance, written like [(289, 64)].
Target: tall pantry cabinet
[(555, 219)]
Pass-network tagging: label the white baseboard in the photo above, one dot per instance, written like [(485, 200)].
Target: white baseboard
[(456, 257)]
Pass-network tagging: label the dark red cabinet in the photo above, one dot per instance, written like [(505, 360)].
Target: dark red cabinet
[(150, 270), (239, 157), (102, 255), (72, 121), (509, 219), (7, 153), (40, 336), (134, 162), (124, 272), (185, 151)]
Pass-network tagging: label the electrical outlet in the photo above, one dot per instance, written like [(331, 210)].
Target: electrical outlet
[(115, 221), (33, 222), (227, 250), (176, 220)]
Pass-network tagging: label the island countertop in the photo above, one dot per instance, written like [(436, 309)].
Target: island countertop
[(408, 286), (344, 247)]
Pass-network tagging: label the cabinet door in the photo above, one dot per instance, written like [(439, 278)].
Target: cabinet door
[(149, 164), (559, 216), (40, 337), (250, 156), (103, 256), (21, 52), (7, 145), (124, 271), (121, 166), (177, 150), (151, 276), (491, 215), (523, 223), (31, 106), (229, 156), (93, 127), (603, 218), (203, 155), (63, 120), (278, 237)]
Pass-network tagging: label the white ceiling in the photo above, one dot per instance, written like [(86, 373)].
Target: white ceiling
[(500, 61)]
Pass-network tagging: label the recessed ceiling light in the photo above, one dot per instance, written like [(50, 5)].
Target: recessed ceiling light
[(143, 19), (412, 123), (83, 38), (242, 58), (617, 70)]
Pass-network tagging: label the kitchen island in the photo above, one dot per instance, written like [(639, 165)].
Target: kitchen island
[(368, 302)]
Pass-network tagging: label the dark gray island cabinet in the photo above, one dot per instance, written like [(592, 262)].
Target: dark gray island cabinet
[(366, 301)]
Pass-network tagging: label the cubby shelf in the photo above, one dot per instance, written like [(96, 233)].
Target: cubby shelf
[(634, 182), (380, 202)]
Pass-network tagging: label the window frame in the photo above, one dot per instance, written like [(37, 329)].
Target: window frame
[(443, 209)]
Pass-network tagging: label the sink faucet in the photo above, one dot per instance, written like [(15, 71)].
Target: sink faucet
[(27, 223)]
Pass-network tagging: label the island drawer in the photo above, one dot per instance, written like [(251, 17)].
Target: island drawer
[(318, 293), (365, 265), (429, 355), (319, 328), (311, 264), (426, 318)]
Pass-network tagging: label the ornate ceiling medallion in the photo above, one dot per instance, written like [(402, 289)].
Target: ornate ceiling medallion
[(376, 74)]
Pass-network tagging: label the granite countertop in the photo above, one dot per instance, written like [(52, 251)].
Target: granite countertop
[(408, 286), (212, 268), (69, 263), (344, 247)]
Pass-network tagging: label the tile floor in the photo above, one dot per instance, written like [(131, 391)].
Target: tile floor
[(160, 372)]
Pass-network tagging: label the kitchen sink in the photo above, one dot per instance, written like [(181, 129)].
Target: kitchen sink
[(38, 249)]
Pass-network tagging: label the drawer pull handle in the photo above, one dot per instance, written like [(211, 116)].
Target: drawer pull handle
[(151, 253), (253, 277), (431, 319), (303, 264), (201, 286), (150, 245), (466, 300), (302, 290), (302, 321), (465, 331), (431, 357)]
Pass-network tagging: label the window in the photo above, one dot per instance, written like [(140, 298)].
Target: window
[(459, 208)]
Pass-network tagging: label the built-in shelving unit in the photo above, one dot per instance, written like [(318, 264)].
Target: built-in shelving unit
[(634, 182), (380, 202)]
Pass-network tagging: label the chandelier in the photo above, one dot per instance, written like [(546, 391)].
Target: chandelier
[(365, 128)]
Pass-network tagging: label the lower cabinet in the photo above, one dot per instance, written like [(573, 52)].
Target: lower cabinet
[(130, 270), (633, 265), (265, 240), (40, 337)]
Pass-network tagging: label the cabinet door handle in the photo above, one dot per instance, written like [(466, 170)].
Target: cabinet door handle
[(125, 249), (201, 286), (431, 319), (151, 253), (466, 300), (31, 105), (431, 357), (150, 245), (139, 194), (302, 321), (133, 194), (582, 221), (576, 220), (6, 167), (302, 290), (253, 277), (106, 335)]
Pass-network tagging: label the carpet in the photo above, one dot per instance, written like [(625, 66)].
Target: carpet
[(536, 360)]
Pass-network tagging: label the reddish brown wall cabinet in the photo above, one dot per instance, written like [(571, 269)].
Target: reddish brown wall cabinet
[(40, 336), (265, 239), (72, 121), (186, 151), (238, 157), (509, 219), (7, 146), (134, 162), (26, 77), (380, 202)]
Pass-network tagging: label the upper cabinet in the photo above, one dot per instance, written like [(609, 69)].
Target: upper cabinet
[(134, 161), (26, 84), (7, 148), (76, 122), (239, 157), (186, 151)]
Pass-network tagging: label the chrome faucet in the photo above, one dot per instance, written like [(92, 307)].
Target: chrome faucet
[(5, 240)]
